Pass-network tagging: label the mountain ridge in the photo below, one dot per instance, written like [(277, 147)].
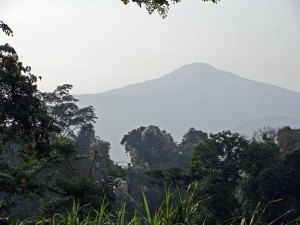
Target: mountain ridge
[(195, 95), (180, 68)]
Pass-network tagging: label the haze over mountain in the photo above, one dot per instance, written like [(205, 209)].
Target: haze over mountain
[(196, 95)]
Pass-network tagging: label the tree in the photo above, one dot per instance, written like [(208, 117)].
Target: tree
[(85, 137), (84, 191), (255, 159), (82, 160), (150, 145), (188, 144), (33, 169), (100, 149), (61, 106), (161, 6), (216, 164), (22, 117), (265, 133), (281, 181), (149, 148), (258, 156), (24, 127), (287, 138)]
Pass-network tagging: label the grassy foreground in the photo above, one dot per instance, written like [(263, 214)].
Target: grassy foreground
[(176, 209)]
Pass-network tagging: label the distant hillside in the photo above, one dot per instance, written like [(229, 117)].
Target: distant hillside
[(275, 122), (196, 95)]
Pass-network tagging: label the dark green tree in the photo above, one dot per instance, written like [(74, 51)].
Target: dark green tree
[(287, 138), (188, 144), (281, 181), (216, 164), (178, 175), (24, 127), (151, 146), (23, 119), (84, 139), (84, 191), (74, 176), (260, 155)]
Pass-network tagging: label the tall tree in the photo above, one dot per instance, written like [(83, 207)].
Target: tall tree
[(281, 181), (188, 144), (150, 145), (61, 106), (216, 164), (22, 117), (287, 138), (24, 125), (260, 155), (85, 137)]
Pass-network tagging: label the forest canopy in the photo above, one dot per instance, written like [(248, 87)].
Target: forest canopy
[(52, 162)]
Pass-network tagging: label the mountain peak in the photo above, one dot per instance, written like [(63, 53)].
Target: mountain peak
[(193, 68), (195, 95)]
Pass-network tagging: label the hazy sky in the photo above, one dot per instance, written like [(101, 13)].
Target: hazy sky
[(98, 45)]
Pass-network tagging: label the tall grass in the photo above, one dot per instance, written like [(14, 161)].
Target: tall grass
[(175, 210)]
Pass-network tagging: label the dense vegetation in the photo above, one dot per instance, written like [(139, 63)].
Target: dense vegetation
[(55, 170)]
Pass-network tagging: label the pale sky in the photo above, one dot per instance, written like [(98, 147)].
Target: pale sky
[(98, 45)]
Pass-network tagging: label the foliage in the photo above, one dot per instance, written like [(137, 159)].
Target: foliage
[(24, 127), (216, 164), (161, 6), (219, 155), (234, 174), (176, 209), (258, 156), (61, 106), (175, 176), (6, 29), (51, 160), (101, 149), (188, 144), (22, 117), (76, 176), (65, 147), (29, 163), (83, 190), (281, 181), (287, 138), (265, 133), (84, 138), (150, 146)]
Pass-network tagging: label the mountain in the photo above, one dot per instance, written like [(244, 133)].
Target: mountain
[(196, 95)]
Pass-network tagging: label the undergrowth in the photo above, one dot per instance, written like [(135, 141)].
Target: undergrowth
[(175, 210)]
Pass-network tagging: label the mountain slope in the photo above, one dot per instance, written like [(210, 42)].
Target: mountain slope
[(195, 95)]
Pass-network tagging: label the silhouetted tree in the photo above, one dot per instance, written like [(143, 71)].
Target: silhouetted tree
[(216, 164), (151, 146), (62, 107), (287, 138), (188, 144)]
